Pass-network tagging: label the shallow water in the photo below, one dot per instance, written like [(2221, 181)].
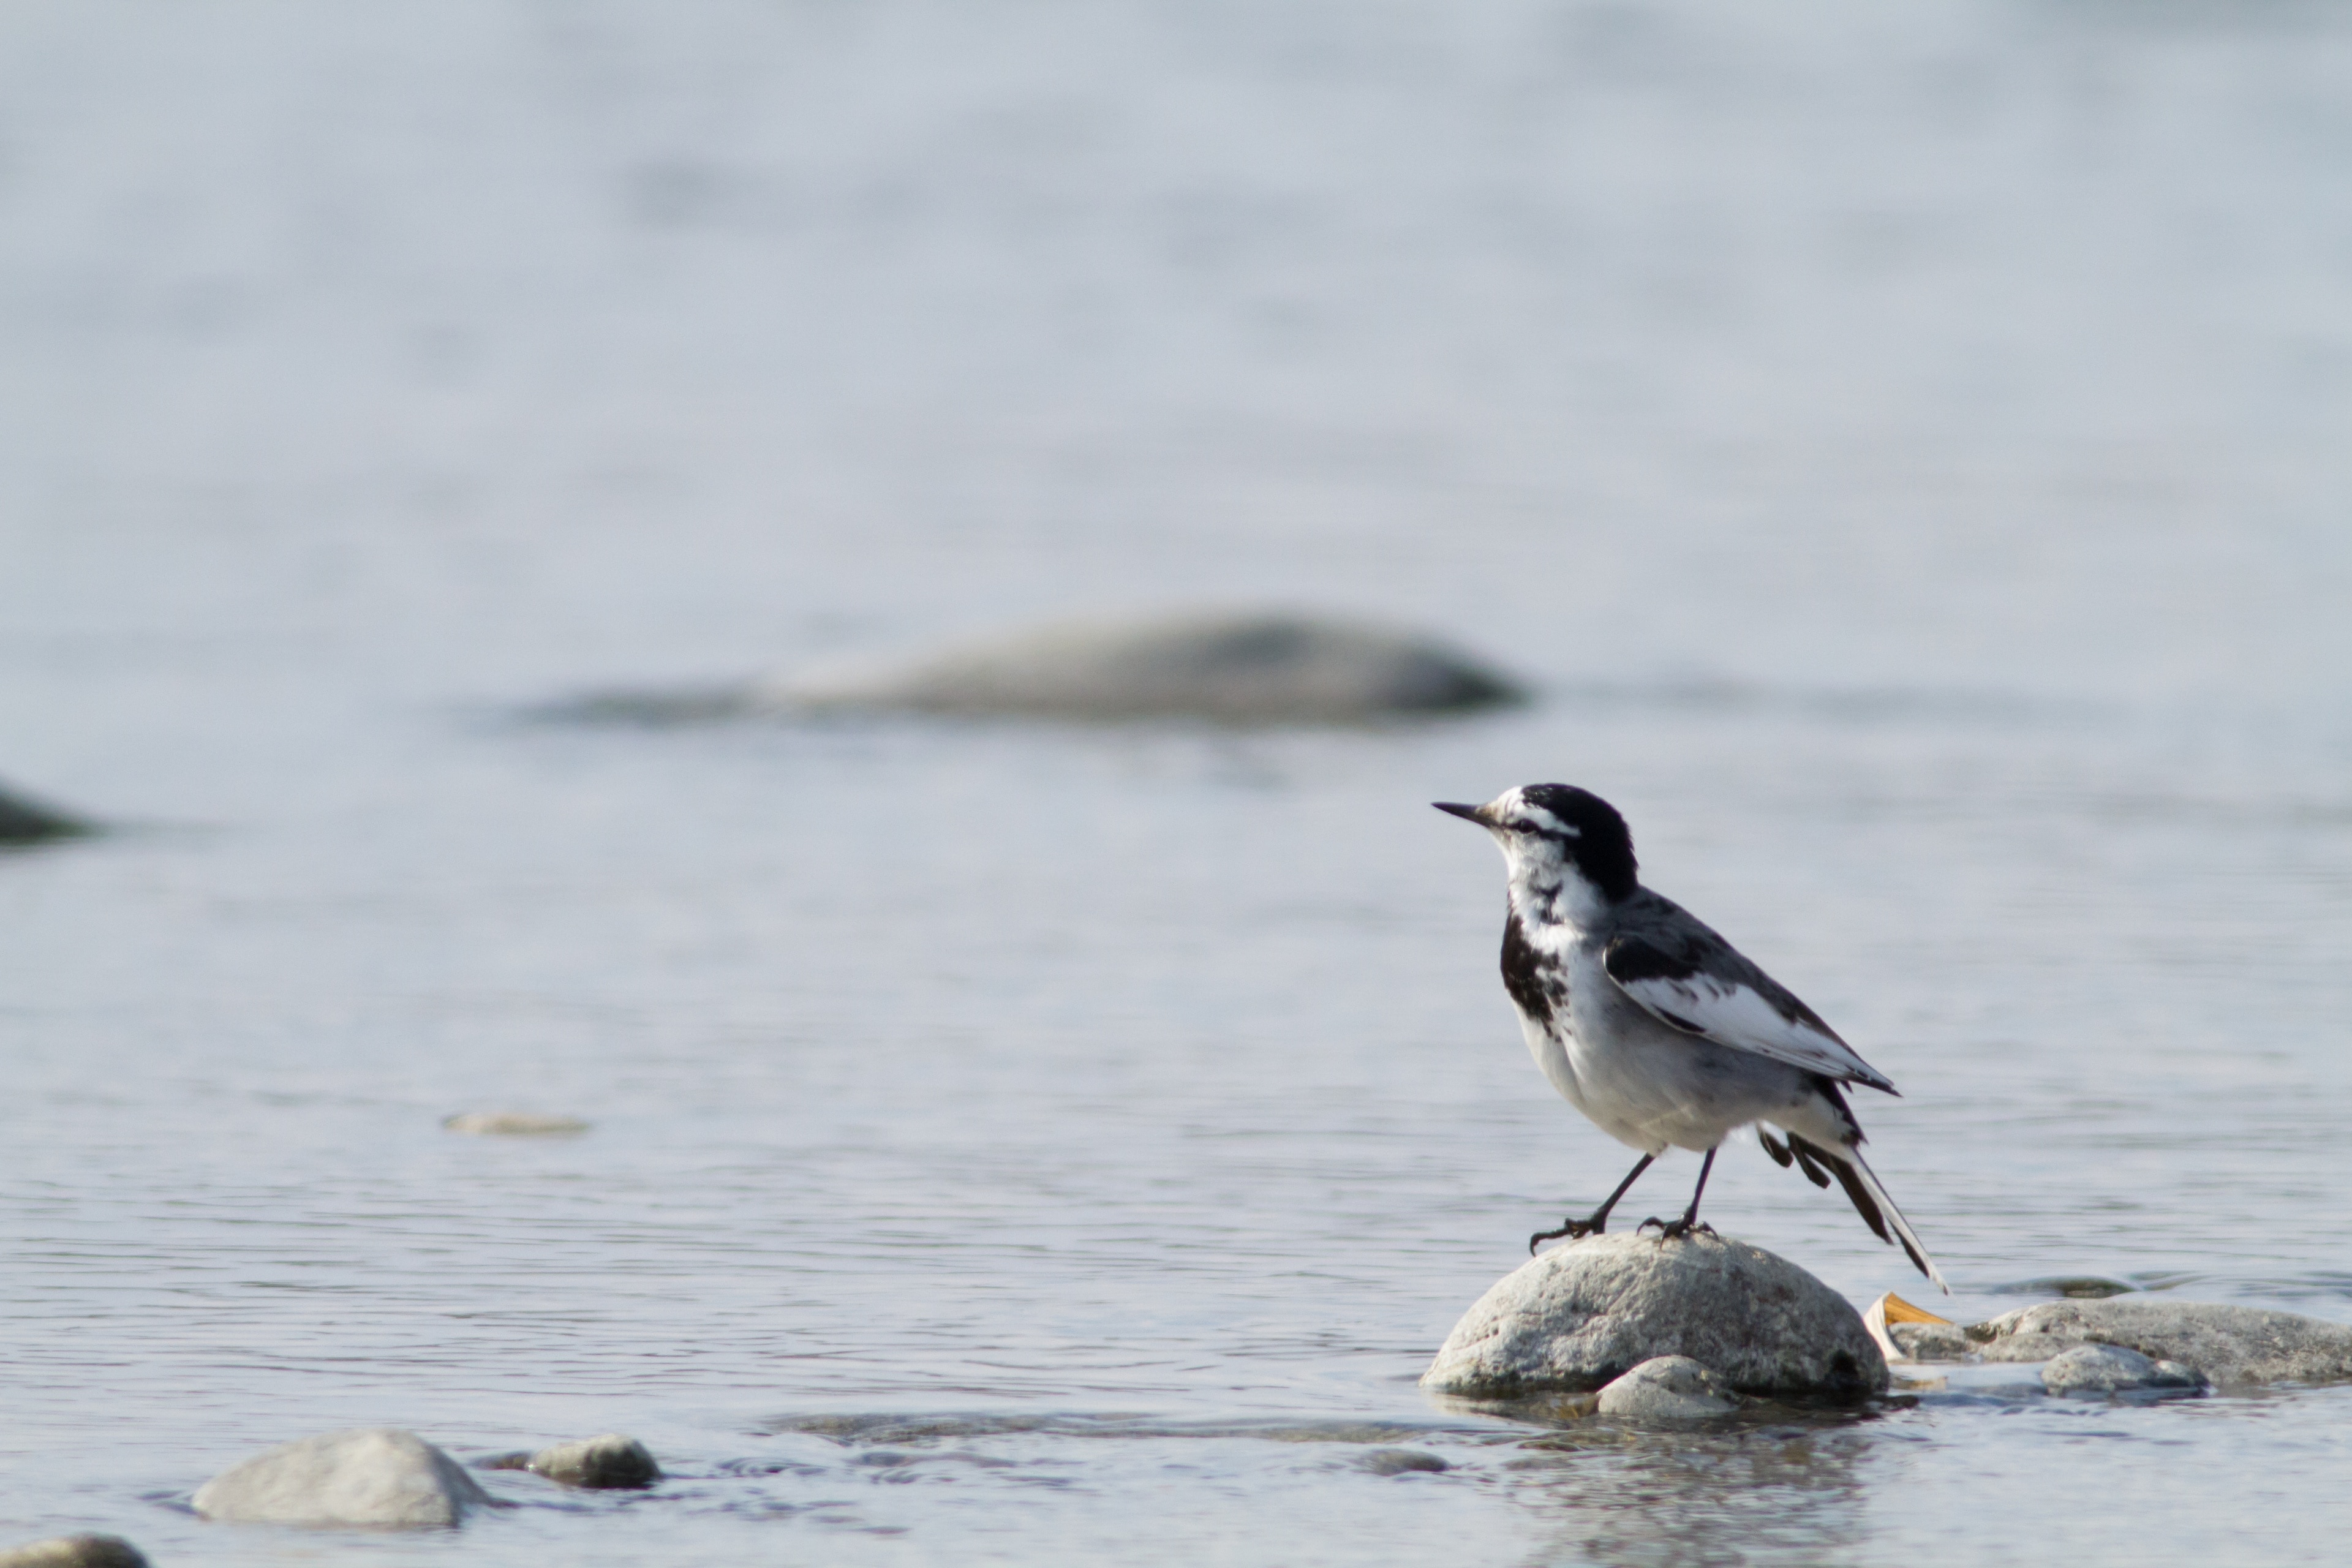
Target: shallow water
[(1909, 458)]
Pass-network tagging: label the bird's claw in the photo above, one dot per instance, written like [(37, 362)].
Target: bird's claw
[(1574, 1229), (1675, 1230)]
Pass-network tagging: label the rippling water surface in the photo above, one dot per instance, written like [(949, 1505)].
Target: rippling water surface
[(1908, 453)]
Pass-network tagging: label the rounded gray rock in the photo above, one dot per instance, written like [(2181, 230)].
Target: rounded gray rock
[(75, 1551), (367, 1476), (2111, 1369), (1583, 1315), (1404, 1462), (1668, 1388), (607, 1462), (2227, 1344), (1240, 669)]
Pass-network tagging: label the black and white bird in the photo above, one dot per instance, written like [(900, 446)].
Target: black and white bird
[(1656, 1028)]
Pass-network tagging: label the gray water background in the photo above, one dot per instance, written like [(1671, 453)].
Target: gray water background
[(1908, 449)]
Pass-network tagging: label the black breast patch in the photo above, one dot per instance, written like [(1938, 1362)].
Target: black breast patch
[(1537, 985)]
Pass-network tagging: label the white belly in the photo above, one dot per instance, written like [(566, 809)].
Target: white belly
[(1652, 1088), (1553, 1058)]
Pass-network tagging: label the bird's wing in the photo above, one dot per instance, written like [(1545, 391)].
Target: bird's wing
[(1692, 980)]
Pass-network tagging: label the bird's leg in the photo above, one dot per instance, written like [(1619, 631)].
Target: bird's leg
[(1578, 1229), (1673, 1229)]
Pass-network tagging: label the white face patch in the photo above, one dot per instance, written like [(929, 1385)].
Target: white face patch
[(1545, 884), (1512, 808)]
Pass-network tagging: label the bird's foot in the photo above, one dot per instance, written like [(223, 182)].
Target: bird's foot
[(1574, 1229), (1675, 1230)]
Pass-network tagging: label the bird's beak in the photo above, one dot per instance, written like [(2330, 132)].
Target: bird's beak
[(1476, 814)]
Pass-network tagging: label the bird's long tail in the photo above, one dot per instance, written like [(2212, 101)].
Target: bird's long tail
[(1862, 1184)]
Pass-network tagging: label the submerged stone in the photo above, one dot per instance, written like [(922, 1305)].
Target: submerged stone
[(75, 1551), (1404, 1462), (1668, 1388), (1234, 668), (1583, 1315), (513, 1124), (1229, 668), (368, 1476), (609, 1462), (2227, 1344), (2076, 1287), (27, 821), (2111, 1369)]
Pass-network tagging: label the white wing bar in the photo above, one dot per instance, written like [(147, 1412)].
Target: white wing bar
[(1731, 1014)]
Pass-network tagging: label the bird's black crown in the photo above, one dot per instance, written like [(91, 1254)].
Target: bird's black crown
[(1601, 846)]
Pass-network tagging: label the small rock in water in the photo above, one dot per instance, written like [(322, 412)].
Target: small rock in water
[(1933, 1341), (2227, 1344), (1668, 1388), (24, 821), (368, 1476), (75, 1551), (1404, 1462), (2075, 1287), (2111, 1369), (513, 1124), (1584, 1315), (1930, 1337), (609, 1462), (1233, 668)]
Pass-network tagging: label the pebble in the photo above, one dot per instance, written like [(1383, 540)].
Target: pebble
[(1404, 1462), (513, 1124), (608, 1462)]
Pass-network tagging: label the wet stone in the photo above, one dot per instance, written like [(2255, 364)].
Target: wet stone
[(1581, 1316), (2111, 1369), (1404, 1462), (75, 1551), (1933, 1341), (368, 1476), (2242, 1345), (609, 1462), (1668, 1388)]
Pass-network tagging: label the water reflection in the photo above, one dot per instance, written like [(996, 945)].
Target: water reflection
[(1618, 1495)]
